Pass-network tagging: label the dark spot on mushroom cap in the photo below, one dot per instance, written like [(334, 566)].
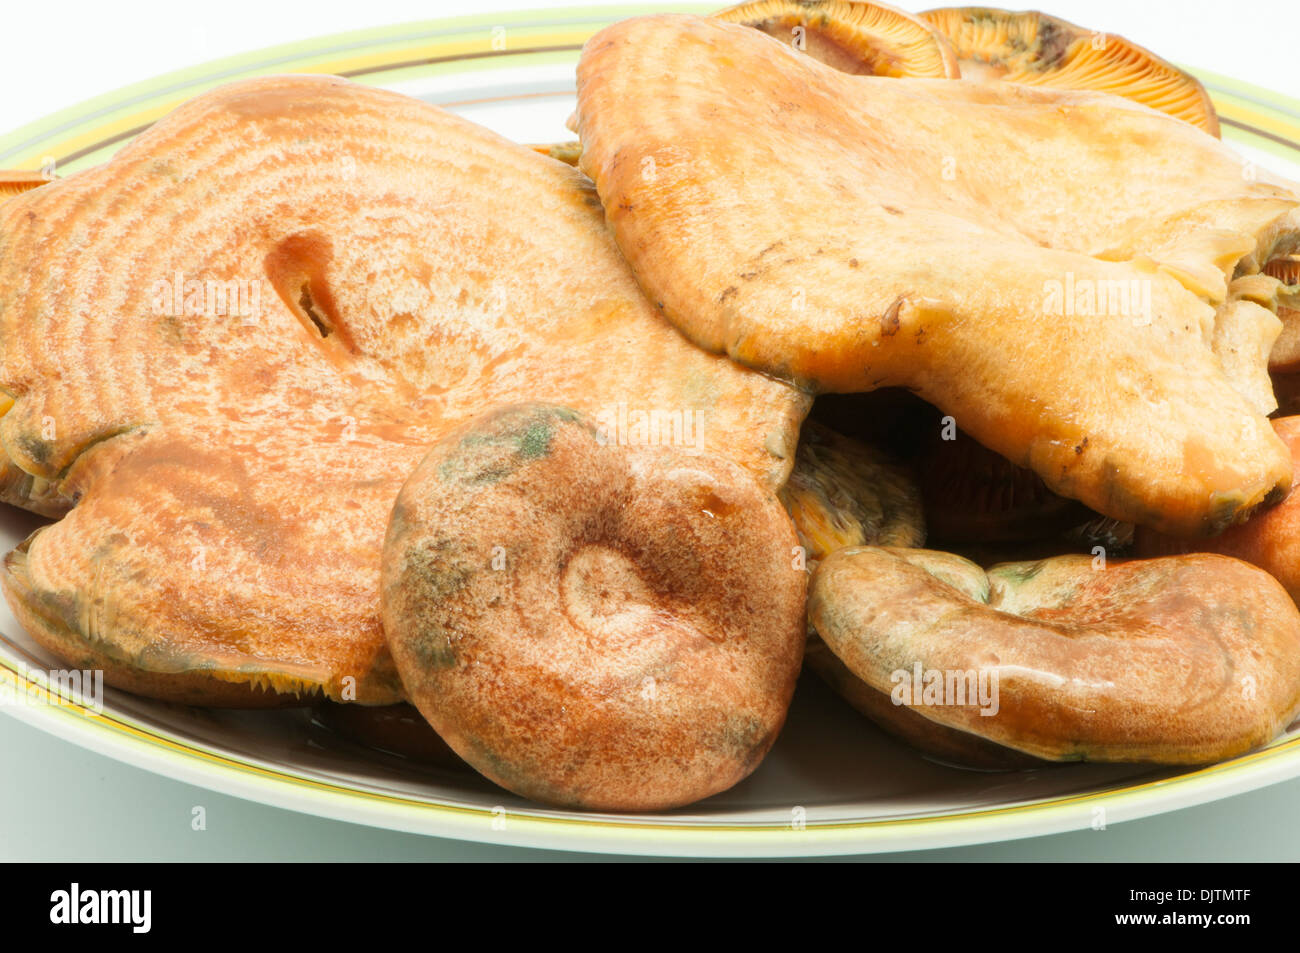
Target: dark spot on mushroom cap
[(441, 567), (1017, 572), (434, 651), (889, 321), (535, 442), (743, 736), (485, 457), (1053, 44), (36, 448)]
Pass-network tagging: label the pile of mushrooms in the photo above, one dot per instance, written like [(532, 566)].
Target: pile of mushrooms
[(562, 461)]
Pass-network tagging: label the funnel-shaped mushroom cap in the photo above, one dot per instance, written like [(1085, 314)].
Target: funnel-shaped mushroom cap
[(1049, 267), (231, 344), (871, 39), (1181, 660), (591, 624), (1040, 50)]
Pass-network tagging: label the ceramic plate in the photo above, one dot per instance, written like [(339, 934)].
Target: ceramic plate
[(833, 784)]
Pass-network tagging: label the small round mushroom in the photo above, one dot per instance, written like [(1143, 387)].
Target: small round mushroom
[(592, 624), (1180, 660), (1036, 49), (1270, 539), (842, 492)]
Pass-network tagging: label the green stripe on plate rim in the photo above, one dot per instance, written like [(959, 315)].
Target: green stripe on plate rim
[(17, 145), (23, 146), (123, 732)]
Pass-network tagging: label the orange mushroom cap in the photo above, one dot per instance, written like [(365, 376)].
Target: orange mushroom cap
[(1180, 660), (799, 236), (590, 624), (229, 346)]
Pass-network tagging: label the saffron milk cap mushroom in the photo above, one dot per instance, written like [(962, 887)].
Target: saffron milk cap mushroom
[(1270, 539), (1082, 324), (589, 624), (225, 350), (871, 39), (1040, 50), (1178, 660)]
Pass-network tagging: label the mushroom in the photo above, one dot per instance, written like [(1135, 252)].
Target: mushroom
[(950, 746), (592, 625), (230, 345), (1082, 324), (1179, 660), (1284, 358), (1036, 49), (1270, 539), (845, 493), (868, 39), (973, 495), (15, 182)]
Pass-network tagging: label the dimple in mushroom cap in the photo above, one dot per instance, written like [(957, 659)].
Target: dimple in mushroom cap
[(592, 624)]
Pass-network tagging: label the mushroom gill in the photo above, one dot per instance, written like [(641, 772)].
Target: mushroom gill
[(14, 182), (1040, 50), (870, 39)]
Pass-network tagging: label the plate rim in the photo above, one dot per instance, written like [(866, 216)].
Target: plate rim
[(187, 762), (1269, 120)]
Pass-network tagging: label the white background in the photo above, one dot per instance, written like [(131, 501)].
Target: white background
[(60, 802), (55, 56)]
